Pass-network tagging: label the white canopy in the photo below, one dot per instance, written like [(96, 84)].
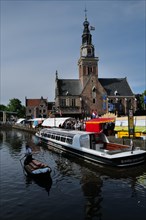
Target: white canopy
[(55, 122), (20, 120), (36, 119)]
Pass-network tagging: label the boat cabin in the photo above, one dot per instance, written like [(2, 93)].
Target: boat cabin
[(77, 139), (105, 125)]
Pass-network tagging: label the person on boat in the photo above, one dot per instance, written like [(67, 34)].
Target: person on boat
[(28, 154)]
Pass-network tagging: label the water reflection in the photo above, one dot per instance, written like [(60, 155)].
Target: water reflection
[(14, 140), (142, 180), (91, 186), (45, 183), (93, 190)]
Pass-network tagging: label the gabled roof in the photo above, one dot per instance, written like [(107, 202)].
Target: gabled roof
[(69, 87), (73, 86), (116, 84), (35, 102)]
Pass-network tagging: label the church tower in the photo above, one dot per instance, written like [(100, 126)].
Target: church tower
[(88, 63)]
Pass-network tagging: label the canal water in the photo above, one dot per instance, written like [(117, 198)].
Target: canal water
[(77, 190)]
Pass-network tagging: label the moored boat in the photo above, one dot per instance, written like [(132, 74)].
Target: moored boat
[(36, 168), (92, 146)]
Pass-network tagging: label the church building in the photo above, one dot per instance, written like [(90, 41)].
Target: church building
[(89, 94)]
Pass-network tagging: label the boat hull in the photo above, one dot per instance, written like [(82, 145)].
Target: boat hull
[(35, 170), (123, 161)]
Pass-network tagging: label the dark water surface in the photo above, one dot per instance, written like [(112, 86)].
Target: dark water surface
[(77, 190)]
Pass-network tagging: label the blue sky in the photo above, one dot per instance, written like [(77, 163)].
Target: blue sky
[(40, 37)]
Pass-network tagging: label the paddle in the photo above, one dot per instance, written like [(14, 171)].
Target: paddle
[(22, 165), (22, 157)]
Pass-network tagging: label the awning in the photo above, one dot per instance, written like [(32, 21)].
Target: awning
[(100, 120), (20, 120), (55, 122)]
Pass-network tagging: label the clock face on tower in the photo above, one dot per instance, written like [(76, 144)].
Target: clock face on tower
[(84, 52)]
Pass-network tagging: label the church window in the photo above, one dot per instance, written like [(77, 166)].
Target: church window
[(73, 102), (94, 92), (89, 52), (84, 70), (94, 69), (89, 70), (63, 102), (93, 100)]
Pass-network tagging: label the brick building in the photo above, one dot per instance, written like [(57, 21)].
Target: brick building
[(36, 108)]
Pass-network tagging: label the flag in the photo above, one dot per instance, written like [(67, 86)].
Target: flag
[(92, 28), (104, 102)]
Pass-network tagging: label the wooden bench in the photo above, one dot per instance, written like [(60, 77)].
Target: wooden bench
[(113, 146)]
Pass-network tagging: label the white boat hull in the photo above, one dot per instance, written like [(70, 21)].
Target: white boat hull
[(117, 158)]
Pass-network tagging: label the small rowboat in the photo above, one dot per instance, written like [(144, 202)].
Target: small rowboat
[(36, 168)]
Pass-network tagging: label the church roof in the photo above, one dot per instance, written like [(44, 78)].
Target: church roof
[(69, 87), (119, 85), (111, 85)]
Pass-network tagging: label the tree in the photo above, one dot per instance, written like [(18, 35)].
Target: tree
[(16, 106), (3, 108), (142, 97), (141, 103)]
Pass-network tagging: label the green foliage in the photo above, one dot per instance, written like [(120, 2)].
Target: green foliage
[(16, 106), (3, 108), (140, 101)]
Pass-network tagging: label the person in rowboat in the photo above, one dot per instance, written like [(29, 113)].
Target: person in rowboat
[(28, 154)]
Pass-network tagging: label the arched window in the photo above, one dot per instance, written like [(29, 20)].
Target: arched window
[(93, 92)]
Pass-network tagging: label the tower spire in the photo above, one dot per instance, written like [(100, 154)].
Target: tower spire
[(85, 13)]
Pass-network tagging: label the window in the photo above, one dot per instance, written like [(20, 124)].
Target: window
[(48, 135), (53, 136), (73, 102), (58, 138), (93, 100), (63, 139), (93, 93), (84, 70), (69, 140), (89, 70), (63, 102), (89, 52)]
